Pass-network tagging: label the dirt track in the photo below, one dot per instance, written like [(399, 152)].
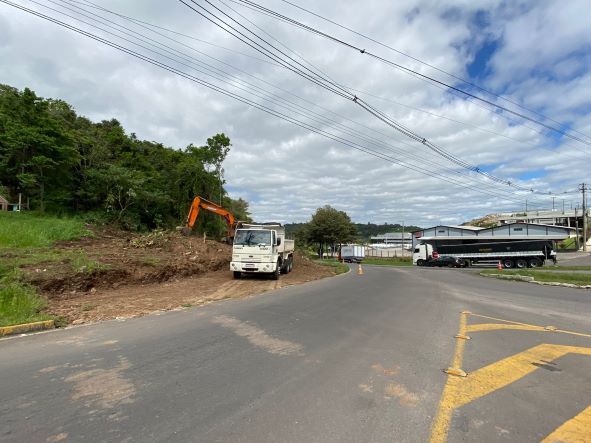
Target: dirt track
[(137, 275)]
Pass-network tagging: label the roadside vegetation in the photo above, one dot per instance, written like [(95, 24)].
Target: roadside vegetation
[(339, 268), (581, 279), (569, 244), (567, 268), (392, 261), (25, 240), (63, 163)]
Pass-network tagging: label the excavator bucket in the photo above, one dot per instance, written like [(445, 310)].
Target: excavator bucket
[(185, 230)]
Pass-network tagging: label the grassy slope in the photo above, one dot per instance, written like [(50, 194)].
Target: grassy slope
[(25, 240), (547, 276), (399, 261), (340, 268)]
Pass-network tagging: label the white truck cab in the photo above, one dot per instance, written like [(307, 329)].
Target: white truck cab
[(422, 253), (261, 248)]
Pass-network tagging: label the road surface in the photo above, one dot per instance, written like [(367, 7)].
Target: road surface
[(352, 358)]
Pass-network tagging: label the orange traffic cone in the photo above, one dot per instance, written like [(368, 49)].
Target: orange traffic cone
[(499, 266)]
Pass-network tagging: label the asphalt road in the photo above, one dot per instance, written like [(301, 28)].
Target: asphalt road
[(353, 358)]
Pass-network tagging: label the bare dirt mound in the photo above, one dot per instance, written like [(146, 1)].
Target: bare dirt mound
[(113, 258), (118, 275)]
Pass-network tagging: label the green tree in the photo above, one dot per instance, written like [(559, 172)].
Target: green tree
[(330, 227)]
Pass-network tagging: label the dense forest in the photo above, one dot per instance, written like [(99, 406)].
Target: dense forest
[(63, 163)]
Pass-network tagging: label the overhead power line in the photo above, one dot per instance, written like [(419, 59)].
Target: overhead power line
[(152, 28), (250, 102), (405, 54), (414, 72), (214, 72), (322, 81)]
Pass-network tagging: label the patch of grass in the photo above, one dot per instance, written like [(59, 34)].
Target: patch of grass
[(19, 303), (392, 261), (150, 261), (30, 230), (12, 259), (567, 244), (547, 276), (25, 242), (340, 268), (567, 268)]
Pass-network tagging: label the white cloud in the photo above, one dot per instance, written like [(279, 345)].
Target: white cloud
[(287, 171)]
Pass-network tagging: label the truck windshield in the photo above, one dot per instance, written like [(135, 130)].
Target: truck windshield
[(247, 237)]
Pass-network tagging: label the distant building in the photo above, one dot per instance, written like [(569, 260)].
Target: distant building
[(568, 217), (474, 234), (392, 240)]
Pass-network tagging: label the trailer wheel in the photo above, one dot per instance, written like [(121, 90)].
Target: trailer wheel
[(508, 263), (420, 262), (535, 263), (521, 263)]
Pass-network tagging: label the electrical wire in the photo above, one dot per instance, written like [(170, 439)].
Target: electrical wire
[(239, 98), (409, 70), (420, 61), (437, 149)]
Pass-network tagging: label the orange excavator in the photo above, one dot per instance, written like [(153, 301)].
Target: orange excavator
[(200, 203)]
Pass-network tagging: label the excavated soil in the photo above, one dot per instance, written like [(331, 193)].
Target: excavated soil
[(132, 275)]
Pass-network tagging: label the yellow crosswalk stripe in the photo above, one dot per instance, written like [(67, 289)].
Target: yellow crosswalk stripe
[(577, 429)]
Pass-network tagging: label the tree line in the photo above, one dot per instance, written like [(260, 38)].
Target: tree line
[(330, 228), (63, 163)]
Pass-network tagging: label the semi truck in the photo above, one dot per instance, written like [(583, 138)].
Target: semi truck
[(261, 249), (511, 254), (352, 253)]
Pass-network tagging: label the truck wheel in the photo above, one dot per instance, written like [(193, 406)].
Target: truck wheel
[(290, 265), (284, 266), (535, 263), (420, 262), (521, 263), (275, 275), (237, 274), (466, 264), (508, 263)]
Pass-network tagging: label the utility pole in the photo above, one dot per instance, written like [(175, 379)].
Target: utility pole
[(553, 198), (403, 238), (583, 188), (577, 229)]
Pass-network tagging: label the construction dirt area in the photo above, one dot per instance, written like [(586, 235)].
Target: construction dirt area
[(130, 275)]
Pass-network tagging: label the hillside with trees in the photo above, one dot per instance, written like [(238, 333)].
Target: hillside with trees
[(364, 231), (63, 163)]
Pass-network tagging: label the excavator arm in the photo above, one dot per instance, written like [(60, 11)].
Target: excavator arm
[(200, 203)]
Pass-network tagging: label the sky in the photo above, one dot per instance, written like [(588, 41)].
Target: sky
[(531, 57)]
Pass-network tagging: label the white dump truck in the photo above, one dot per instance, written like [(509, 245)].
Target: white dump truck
[(261, 249)]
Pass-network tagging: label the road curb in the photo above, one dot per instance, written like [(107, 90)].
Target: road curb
[(529, 279), (26, 327)]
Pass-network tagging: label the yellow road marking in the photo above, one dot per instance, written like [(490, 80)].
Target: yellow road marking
[(496, 326), (440, 427), (504, 372), (577, 429), (461, 391), (533, 327)]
